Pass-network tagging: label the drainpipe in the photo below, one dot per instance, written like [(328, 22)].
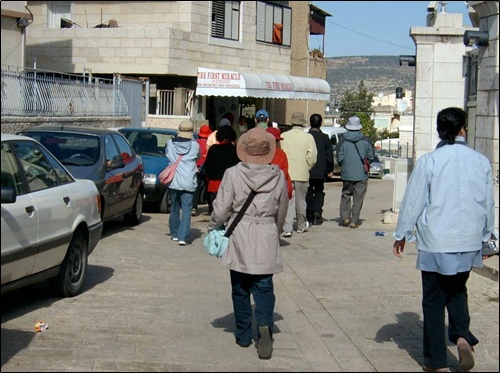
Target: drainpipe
[(307, 69)]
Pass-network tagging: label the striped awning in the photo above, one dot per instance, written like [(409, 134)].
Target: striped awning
[(261, 85)]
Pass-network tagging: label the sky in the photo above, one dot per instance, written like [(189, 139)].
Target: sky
[(369, 28)]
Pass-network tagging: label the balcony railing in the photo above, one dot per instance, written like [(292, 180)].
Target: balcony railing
[(30, 92)]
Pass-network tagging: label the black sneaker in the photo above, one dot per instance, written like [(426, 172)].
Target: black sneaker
[(265, 345), (318, 219)]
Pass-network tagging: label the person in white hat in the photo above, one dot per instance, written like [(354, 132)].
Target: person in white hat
[(353, 148), (302, 155)]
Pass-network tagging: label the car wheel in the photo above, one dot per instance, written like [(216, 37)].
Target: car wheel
[(164, 207), (134, 217), (69, 281)]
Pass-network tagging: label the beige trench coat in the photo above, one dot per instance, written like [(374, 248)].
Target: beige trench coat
[(254, 246)]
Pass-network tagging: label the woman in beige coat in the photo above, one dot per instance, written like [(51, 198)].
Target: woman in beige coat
[(253, 254)]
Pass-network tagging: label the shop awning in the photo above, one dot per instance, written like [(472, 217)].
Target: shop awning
[(261, 85)]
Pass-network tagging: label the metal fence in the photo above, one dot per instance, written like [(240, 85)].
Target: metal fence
[(132, 91), (165, 102), (396, 150), (30, 92)]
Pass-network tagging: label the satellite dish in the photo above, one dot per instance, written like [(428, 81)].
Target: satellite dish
[(380, 95), (402, 105)]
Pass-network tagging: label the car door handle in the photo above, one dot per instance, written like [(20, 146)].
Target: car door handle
[(66, 200), (30, 209)]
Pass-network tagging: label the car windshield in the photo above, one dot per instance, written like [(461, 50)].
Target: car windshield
[(376, 159), (150, 143), (71, 148)]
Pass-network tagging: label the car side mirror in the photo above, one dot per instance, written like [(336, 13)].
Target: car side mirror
[(8, 195)]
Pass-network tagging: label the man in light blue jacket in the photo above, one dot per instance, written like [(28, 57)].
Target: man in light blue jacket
[(183, 185), (450, 201)]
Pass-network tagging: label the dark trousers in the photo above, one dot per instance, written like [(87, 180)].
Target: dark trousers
[(442, 292), (262, 289), (200, 188), (315, 198), (211, 198), (355, 190)]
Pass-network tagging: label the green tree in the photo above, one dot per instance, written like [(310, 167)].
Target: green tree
[(359, 104), (386, 134)]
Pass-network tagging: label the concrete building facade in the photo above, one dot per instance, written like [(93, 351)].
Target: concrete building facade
[(15, 19), (166, 42)]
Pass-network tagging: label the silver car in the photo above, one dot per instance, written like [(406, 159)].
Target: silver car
[(51, 221), (376, 169)]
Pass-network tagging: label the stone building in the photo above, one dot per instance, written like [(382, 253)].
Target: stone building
[(167, 43)]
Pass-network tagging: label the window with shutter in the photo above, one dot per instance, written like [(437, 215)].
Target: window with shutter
[(226, 19), (274, 23)]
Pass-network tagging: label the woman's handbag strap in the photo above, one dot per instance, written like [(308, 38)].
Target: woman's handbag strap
[(240, 213)]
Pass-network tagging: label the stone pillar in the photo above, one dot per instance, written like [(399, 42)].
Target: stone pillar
[(486, 134), (439, 78)]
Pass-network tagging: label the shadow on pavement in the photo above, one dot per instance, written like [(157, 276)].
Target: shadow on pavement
[(405, 332)]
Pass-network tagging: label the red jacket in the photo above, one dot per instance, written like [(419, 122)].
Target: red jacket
[(280, 159), (203, 151)]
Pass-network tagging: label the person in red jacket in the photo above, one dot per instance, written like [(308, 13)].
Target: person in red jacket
[(280, 159), (203, 134)]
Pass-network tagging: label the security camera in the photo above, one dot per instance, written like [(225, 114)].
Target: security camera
[(432, 7)]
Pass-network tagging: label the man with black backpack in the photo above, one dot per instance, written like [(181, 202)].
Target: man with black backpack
[(352, 150)]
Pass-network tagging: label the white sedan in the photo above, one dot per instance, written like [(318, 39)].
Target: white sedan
[(51, 221)]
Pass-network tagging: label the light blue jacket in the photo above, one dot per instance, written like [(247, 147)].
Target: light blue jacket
[(185, 174), (449, 199)]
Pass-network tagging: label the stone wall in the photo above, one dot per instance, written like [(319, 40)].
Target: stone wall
[(152, 37)]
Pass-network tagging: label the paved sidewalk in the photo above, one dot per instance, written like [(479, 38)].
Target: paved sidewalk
[(343, 303)]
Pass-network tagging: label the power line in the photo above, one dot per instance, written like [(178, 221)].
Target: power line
[(368, 36)]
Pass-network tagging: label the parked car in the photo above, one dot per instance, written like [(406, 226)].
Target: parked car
[(376, 169), (150, 143), (335, 134), (103, 156), (50, 221)]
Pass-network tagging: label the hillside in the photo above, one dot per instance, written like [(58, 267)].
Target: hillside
[(380, 74)]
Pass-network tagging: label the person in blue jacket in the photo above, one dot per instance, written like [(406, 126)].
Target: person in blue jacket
[(183, 185), (449, 209), (352, 149)]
